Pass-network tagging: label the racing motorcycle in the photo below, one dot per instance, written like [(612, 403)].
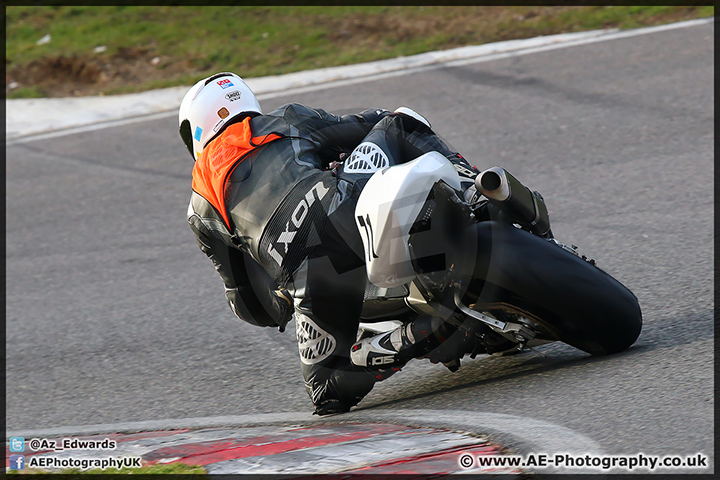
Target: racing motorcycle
[(484, 260)]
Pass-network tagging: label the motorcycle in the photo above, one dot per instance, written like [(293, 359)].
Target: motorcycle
[(484, 260)]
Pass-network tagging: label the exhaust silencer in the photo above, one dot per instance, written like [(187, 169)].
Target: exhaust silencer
[(514, 199)]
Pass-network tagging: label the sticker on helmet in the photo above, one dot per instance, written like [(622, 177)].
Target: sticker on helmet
[(218, 125), (232, 96), (223, 113), (225, 84), (198, 133)]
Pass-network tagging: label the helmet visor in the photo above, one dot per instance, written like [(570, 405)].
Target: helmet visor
[(186, 136)]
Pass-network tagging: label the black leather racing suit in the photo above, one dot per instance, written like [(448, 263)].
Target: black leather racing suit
[(293, 228)]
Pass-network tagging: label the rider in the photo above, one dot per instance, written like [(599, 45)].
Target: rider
[(276, 217)]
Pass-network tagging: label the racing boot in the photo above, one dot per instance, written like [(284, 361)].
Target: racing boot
[(452, 350), (395, 348)]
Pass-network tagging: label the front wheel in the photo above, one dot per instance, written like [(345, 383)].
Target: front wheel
[(583, 305)]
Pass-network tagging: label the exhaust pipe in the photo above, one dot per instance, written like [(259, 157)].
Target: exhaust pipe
[(514, 199)]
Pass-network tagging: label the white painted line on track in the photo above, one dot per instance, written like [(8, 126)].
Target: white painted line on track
[(89, 128), (36, 119)]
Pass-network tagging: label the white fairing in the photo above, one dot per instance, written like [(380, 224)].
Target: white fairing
[(386, 210)]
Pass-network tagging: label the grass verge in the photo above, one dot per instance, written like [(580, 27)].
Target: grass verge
[(54, 51)]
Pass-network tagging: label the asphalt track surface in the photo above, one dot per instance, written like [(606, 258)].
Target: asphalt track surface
[(114, 314)]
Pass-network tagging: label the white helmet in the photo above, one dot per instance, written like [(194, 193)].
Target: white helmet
[(210, 105)]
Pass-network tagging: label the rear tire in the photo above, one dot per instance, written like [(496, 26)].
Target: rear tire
[(585, 306)]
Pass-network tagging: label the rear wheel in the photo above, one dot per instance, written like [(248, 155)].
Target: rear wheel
[(567, 296)]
